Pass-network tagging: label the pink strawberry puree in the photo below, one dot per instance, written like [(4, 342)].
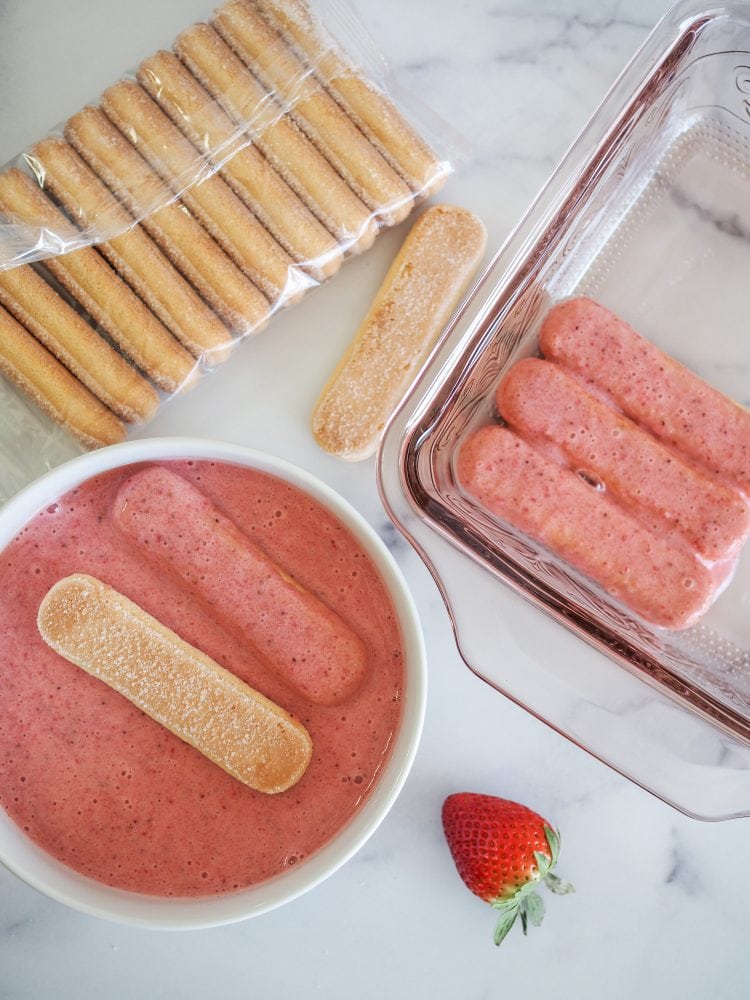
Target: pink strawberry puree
[(107, 790)]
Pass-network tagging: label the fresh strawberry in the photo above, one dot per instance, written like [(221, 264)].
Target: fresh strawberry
[(502, 850)]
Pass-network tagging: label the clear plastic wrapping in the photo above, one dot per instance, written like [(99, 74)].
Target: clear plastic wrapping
[(159, 226)]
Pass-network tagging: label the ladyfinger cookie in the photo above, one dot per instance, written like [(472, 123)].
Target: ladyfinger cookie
[(228, 220), (131, 253), (104, 633), (420, 291), (246, 171), (168, 221), (276, 135), (300, 638), (270, 58), (33, 369), (654, 575), (650, 387), (101, 292), (56, 325), (546, 405), (371, 110)]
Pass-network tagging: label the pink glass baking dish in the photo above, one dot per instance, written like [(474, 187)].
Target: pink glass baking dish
[(649, 214)]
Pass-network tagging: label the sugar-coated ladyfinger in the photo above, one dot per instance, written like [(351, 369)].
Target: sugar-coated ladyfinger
[(131, 252), (298, 637), (650, 387), (183, 239), (228, 219), (544, 403), (372, 111), (101, 292), (107, 635), (420, 291), (36, 372), (649, 572), (281, 141), (56, 325), (248, 173), (269, 57)]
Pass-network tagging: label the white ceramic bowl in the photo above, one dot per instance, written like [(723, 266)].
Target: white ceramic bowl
[(44, 873)]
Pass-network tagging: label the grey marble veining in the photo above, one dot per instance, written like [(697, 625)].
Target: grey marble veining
[(661, 904)]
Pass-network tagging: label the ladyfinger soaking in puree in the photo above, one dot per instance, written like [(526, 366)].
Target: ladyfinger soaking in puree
[(211, 683)]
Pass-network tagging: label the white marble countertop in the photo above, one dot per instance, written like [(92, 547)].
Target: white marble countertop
[(659, 906)]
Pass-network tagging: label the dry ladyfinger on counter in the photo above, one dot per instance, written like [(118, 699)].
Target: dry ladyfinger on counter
[(227, 218), (98, 629), (132, 253), (101, 292), (179, 234), (280, 140), (249, 174), (56, 325), (418, 295), (371, 110), (325, 122), (299, 637), (33, 369)]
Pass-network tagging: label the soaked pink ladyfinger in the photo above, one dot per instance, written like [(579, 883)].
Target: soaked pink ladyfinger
[(545, 404), (651, 388), (296, 634), (656, 577)]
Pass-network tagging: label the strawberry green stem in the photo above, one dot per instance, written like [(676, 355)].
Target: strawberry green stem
[(527, 903)]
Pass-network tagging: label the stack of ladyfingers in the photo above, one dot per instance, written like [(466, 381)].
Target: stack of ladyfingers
[(231, 175)]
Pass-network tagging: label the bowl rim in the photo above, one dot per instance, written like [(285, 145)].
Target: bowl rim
[(51, 877)]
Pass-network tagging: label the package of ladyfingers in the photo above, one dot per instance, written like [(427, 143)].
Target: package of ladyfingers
[(160, 225)]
